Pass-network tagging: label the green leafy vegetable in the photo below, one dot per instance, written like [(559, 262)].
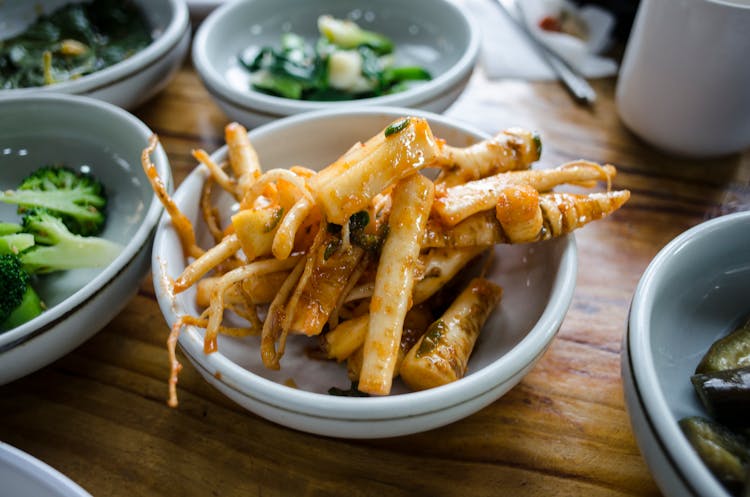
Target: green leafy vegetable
[(73, 41), (395, 128), (352, 392)]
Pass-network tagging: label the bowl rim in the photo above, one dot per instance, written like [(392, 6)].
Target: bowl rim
[(37, 470), (273, 105), (154, 53), (51, 317), (684, 459), (369, 408)]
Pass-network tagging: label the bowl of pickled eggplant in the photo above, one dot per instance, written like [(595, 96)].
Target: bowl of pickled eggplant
[(260, 65), (122, 52), (686, 361)]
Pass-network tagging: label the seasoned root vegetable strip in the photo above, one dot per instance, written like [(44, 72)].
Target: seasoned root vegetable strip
[(269, 178), (216, 303), (459, 202), (206, 262), (442, 354), (561, 214), (478, 230), (416, 323), (565, 212), (394, 282), (283, 240), (519, 213), (217, 173), (181, 223), (254, 291), (262, 289), (510, 150), (242, 157), (350, 183), (203, 289), (347, 337), (319, 290), (210, 212), (272, 327), (440, 266), (256, 228)]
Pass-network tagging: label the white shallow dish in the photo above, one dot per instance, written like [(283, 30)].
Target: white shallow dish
[(693, 292), (24, 475), (538, 279), (435, 34), (129, 82), (41, 129)]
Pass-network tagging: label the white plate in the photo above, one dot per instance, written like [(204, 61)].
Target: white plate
[(24, 475)]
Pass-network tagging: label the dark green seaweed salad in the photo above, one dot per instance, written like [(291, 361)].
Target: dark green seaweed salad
[(722, 383), (346, 63), (75, 40)]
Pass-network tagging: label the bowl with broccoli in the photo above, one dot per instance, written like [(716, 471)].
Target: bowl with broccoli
[(77, 218), (267, 59)]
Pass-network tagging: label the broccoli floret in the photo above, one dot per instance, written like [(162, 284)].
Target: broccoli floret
[(18, 300), (12, 240), (10, 228), (347, 34), (58, 249), (78, 199)]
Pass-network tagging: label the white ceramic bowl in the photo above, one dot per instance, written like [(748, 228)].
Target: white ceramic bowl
[(23, 474), (693, 292), (435, 34), (127, 83), (538, 279), (41, 129)]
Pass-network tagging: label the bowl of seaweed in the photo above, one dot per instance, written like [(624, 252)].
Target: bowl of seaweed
[(120, 52)]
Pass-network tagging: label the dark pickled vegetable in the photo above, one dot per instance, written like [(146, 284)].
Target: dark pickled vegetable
[(730, 352), (75, 40), (726, 395), (726, 453)]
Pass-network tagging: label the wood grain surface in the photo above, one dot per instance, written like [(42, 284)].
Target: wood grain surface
[(99, 414)]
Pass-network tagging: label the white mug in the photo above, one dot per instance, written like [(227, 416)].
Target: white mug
[(684, 84)]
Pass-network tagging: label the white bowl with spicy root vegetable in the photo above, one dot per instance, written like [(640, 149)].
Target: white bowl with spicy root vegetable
[(538, 282), (86, 135), (437, 35)]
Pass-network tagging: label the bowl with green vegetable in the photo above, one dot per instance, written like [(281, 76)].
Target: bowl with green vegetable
[(686, 361), (77, 218), (267, 59), (120, 52)]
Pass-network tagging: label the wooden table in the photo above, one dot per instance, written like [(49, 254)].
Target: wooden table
[(99, 414)]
